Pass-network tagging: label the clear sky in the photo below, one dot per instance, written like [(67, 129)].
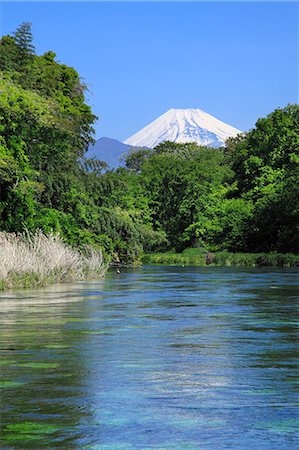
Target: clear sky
[(235, 60)]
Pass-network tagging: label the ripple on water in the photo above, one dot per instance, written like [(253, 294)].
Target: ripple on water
[(155, 357)]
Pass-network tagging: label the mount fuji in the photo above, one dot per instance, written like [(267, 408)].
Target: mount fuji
[(183, 125), (176, 125)]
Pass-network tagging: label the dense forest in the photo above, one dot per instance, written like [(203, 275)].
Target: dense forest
[(243, 197)]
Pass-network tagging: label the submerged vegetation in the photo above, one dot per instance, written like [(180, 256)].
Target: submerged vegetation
[(242, 198), (37, 260)]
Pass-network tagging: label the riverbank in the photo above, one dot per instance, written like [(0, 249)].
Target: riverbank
[(196, 257), (36, 260)]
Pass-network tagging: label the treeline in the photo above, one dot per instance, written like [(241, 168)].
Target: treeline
[(243, 197)]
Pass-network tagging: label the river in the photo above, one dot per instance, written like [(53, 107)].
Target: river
[(153, 357)]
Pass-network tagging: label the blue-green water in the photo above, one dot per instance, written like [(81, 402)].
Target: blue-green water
[(157, 357)]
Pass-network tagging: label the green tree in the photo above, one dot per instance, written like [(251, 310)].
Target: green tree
[(136, 157), (266, 166), (8, 54), (184, 184), (24, 40)]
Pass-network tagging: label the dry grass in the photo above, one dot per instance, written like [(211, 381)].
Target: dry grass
[(38, 259)]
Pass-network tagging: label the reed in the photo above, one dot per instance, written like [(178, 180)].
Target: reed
[(36, 259)]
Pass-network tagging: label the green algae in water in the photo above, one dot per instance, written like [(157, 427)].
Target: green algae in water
[(7, 362), (12, 438), (47, 322), (10, 384), (56, 346), (28, 431), (85, 319), (32, 428), (37, 365), (32, 333)]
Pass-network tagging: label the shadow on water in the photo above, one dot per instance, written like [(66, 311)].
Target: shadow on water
[(153, 357)]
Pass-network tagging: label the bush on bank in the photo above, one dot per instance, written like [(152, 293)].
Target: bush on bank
[(197, 257)]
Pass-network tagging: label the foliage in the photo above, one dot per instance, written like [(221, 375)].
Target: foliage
[(266, 166), (185, 184), (135, 158)]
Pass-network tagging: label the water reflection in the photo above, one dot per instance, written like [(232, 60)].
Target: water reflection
[(161, 357)]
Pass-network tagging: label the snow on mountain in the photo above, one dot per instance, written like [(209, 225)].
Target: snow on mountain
[(183, 125)]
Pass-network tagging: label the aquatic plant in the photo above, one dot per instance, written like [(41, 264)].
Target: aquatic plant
[(37, 259)]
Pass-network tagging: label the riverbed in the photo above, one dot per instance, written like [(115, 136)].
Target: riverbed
[(153, 357)]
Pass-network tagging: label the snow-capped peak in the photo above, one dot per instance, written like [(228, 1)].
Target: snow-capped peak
[(183, 125)]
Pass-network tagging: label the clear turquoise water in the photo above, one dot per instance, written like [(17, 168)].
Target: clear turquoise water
[(156, 357)]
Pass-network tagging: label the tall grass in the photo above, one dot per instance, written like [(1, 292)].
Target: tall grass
[(197, 257), (37, 260)]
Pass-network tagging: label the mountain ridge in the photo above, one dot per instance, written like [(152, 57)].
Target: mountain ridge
[(109, 150)]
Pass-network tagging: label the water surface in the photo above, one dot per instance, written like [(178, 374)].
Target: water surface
[(156, 357)]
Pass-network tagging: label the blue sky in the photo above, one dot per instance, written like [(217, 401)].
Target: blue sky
[(236, 60)]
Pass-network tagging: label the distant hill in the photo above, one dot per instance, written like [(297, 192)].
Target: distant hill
[(108, 150)]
